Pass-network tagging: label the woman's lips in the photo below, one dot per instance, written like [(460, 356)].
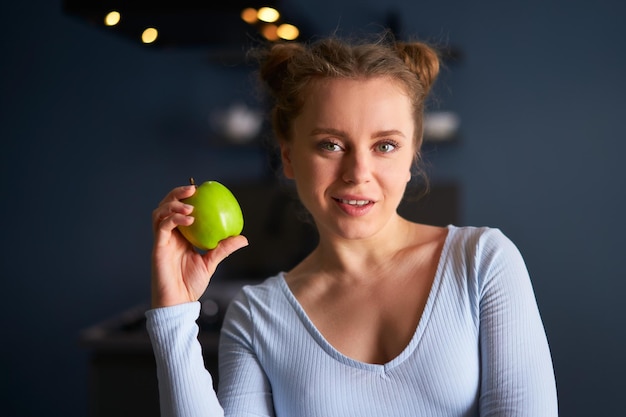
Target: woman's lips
[(354, 206)]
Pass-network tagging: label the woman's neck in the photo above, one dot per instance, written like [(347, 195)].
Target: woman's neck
[(353, 259)]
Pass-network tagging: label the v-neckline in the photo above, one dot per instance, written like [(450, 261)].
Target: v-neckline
[(409, 348)]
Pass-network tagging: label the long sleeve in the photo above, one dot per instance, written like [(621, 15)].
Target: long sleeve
[(517, 374), (244, 387), (185, 386)]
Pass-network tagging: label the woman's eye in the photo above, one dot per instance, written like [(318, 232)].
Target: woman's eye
[(330, 146), (386, 147)]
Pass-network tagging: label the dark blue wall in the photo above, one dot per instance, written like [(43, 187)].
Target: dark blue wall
[(95, 129)]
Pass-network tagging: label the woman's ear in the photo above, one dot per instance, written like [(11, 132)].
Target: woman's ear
[(285, 156)]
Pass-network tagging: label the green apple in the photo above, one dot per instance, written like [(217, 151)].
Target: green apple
[(217, 215)]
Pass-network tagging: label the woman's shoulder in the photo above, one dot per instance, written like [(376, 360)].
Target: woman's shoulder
[(469, 244), (259, 307), (475, 235), (458, 238), (262, 293), (480, 247)]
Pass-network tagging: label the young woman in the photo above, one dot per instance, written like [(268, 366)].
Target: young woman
[(385, 317)]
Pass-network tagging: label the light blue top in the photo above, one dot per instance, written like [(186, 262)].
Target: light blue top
[(480, 349)]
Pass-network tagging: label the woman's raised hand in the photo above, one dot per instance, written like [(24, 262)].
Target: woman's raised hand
[(180, 274)]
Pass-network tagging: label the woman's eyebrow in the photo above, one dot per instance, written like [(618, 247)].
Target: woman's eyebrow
[(391, 132), (341, 133), (328, 131)]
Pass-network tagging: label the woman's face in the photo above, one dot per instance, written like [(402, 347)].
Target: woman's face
[(351, 153)]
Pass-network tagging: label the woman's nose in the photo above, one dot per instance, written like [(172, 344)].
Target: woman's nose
[(357, 167)]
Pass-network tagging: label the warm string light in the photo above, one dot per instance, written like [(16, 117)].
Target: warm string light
[(249, 15), (287, 32), (112, 18), (268, 14), (149, 35), (267, 19), (270, 31)]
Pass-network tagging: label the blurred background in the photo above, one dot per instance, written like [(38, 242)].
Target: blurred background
[(97, 126)]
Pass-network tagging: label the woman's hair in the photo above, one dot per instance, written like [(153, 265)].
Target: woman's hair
[(289, 69)]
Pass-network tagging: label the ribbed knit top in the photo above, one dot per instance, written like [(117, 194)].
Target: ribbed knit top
[(479, 350)]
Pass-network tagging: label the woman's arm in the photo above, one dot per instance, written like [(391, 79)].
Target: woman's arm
[(180, 275), (517, 374), (185, 386), (244, 388)]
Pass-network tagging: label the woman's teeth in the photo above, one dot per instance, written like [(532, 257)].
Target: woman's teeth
[(355, 202)]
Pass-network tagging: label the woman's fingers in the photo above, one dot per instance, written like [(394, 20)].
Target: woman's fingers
[(224, 249), (165, 210), (165, 221), (171, 205), (165, 215), (171, 222), (179, 193)]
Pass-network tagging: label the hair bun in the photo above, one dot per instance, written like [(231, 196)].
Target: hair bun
[(274, 61), (422, 59)]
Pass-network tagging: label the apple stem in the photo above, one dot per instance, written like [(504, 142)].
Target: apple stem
[(192, 181)]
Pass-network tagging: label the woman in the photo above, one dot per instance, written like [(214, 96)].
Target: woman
[(385, 317)]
